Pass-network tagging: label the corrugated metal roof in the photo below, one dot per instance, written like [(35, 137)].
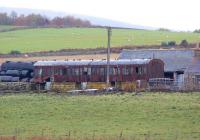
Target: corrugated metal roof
[(92, 62), (62, 62), (122, 62), (175, 60), (156, 53), (194, 67)]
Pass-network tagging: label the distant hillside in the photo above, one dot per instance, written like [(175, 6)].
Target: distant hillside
[(47, 39), (93, 20)]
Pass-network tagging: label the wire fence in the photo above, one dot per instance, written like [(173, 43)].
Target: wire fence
[(166, 84), (155, 84)]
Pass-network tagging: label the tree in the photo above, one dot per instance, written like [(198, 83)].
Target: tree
[(13, 15), (58, 21), (20, 21), (37, 20), (4, 19), (197, 31)]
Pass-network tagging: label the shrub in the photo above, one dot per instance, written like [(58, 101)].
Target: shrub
[(165, 44), (164, 29), (15, 52), (184, 43), (171, 43), (168, 44)]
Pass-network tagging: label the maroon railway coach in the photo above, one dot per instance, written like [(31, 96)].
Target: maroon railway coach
[(95, 71)]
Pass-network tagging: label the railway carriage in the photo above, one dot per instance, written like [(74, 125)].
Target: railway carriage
[(93, 72)]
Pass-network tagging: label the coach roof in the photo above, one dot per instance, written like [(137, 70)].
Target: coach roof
[(92, 62), (122, 62)]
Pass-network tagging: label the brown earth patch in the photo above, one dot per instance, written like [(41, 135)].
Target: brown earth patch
[(71, 57)]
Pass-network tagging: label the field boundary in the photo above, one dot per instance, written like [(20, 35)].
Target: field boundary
[(15, 29)]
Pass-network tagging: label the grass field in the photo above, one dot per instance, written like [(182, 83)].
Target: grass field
[(156, 116), (46, 39)]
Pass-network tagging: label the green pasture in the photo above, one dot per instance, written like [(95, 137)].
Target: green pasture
[(46, 39), (144, 116)]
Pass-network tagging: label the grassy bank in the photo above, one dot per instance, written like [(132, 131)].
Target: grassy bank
[(166, 116)]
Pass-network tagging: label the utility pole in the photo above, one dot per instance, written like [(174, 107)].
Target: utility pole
[(108, 57)]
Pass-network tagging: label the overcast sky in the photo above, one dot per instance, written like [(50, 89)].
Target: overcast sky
[(172, 14)]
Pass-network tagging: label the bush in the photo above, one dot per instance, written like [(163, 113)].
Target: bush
[(168, 44), (171, 43), (184, 43), (15, 52), (164, 29), (165, 44)]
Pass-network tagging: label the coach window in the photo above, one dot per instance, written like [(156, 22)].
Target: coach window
[(60, 71), (73, 72), (80, 71), (139, 70), (115, 71), (77, 71), (94, 71), (64, 71), (48, 71), (97, 71), (89, 71), (51, 71), (69, 73), (56, 71), (85, 72), (40, 72), (118, 71), (102, 71), (125, 70), (111, 71), (129, 70), (144, 70)]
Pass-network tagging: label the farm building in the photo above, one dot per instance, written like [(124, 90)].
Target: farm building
[(178, 63), (192, 76)]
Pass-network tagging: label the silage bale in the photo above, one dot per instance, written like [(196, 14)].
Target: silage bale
[(13, 72), (5, 78), (15, 79)]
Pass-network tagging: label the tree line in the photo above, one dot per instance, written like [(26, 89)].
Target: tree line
[(37, 20)]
